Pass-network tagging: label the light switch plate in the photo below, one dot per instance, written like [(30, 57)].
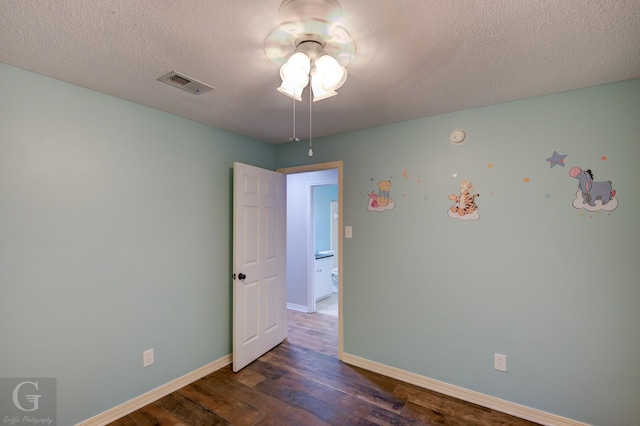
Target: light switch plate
[(348, 232)]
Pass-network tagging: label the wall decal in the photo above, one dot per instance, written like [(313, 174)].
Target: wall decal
[(465, 207), (381, 201), (593, 196), (404, 174), (526, 180), (556, 159)]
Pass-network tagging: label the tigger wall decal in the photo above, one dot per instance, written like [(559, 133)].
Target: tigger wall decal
[(592, 195), (465, 206)]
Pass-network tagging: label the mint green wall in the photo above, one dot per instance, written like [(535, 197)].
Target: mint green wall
[(114, 238), (554, 288)]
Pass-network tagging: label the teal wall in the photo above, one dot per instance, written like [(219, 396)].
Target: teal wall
[(553, 287), (114, 238), (322, 197)]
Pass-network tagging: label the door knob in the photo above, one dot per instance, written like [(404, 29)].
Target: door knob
[(242, 276)]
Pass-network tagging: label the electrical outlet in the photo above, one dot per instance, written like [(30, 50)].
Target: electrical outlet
[(500, 362), (147, 357)]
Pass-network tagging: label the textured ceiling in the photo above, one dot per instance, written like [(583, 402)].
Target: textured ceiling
[(413, 58)]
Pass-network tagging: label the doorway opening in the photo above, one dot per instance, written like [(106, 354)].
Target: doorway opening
[(302, 250), (324, 279)]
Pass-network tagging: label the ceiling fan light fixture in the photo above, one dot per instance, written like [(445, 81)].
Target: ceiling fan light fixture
[(309, 65), (310, 62)]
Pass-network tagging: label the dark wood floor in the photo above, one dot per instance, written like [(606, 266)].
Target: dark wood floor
[(301, 382)]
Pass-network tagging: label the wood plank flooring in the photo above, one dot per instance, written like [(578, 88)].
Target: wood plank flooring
[(302, 383)]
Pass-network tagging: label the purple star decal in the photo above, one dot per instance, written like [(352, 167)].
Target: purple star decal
[(556, 159)]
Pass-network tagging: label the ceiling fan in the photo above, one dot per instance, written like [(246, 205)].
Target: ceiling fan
[(311, 44)]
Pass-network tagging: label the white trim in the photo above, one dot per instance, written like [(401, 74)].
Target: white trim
[(299, 308), (491, 402), (138, 402)]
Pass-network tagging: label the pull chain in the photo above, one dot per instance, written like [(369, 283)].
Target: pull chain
[(310, 133), (294, 138)]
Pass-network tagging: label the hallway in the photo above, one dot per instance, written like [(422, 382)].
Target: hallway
[(318, 332)]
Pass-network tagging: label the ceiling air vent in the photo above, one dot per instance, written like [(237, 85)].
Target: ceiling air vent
[(185, 83)]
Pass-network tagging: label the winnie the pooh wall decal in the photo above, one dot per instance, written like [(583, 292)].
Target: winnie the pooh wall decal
[(593, 196), (465, 207), (381, 200)]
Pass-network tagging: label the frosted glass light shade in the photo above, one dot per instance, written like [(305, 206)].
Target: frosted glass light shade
[(300, 59), (296, 70), (319, 93), (334, 79), (294, 76), (291, 91), (332, 76)]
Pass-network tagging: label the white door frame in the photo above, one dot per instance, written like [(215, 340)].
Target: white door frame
[(329, 166)]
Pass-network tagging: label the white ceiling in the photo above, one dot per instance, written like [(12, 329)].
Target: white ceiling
[(413, 58)]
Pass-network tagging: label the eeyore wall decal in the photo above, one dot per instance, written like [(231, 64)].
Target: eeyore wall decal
[(595, 195)]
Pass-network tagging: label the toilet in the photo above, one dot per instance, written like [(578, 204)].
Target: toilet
[(334, 280)]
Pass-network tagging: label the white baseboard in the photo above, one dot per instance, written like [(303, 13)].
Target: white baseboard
[(136, 403), (474, 397), (493, 403), (299, 308)]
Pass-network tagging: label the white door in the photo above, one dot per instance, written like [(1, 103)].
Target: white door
[(259, 267)]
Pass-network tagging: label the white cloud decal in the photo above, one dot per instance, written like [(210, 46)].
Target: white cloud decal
[(578, 203), (473, 216), (389, 206)]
